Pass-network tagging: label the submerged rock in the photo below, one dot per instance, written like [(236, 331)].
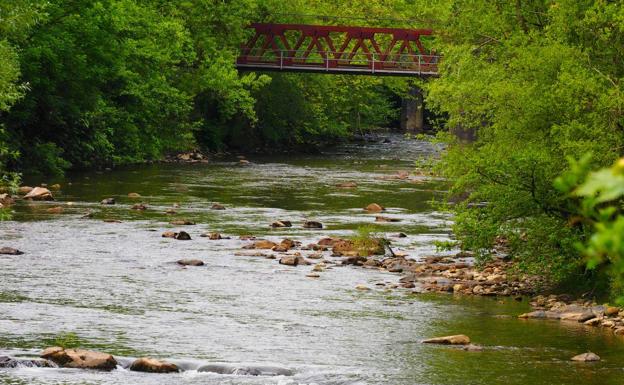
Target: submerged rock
[(586, 357), (39, 194), (108, 201), (190, 262), (347, 185), (213, 236), (217, 206), (9, 362), (151, 365), (278, 224), (10, 251), (263, 244), (55, 210), (386, 219), (169, 234), (79, 358), (312, 225), (134, 195), (246, 370), (139, 206), (182, 222), (459, 339)]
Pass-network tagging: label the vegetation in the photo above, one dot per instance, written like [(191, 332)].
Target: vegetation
[(539, 82)]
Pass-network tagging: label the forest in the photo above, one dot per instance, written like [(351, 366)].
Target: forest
[(86, 85)]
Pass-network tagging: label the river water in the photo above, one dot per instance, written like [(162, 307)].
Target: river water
[(115, 287)]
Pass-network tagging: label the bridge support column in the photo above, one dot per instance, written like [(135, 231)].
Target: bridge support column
[(413, 112)]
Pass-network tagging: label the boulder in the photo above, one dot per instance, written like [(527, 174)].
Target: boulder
[(217, 206), (6, 200), (293, 260), (586, 357), (169, 234), (182, 222), (277, 224), (24, 190), (344, 248), (9, 362), (134, 195), (183, 236), (151, 365), (79, 358), (212, 236), (39, 194), (374, 208), (108, 201), (611, 311), (329, 241), (10, 251), (459, 339), (312, 225), (139, 206), (264, 244), (362, 287), (191, 262)]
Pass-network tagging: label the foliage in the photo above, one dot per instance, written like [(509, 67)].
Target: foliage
[(538, 82)]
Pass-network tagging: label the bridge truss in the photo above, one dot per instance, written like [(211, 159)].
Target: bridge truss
[(339, 49)]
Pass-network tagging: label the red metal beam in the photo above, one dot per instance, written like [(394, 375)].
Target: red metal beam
[(299, 47)]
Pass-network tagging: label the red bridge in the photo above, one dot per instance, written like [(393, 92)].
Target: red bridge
[(341, 50)]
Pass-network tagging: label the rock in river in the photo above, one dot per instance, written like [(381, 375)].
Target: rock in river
[(586, 357), (312, 225), (277, 224), (151, 365), (374, 208), (182, 222), (6, 200), (10, 251), (459, 339), (191, 262), (139, 206), (246, 370), (183, 236), (9, 362), (79, 359), (217, 206), (39, 194), (108, 201)]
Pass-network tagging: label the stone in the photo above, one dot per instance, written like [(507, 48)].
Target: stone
[(9, 362), (458, 287), (459, 339), (611, 311), (593, 322), (263, 244), (6, 200), (313, 275), (386, 219), (362, 287), (151, 365), (182, 222), (169, 234), (619, 331), (134, 195), (24, 190), (293, 260), (79, 359), (312, 225), (139, 207), (246, 370), (183, 236), (217, 206), (374, 208), (315, 256), (277, 224), (212, 236), (578, 316), (170, 212), (243, 162), (399, 235), (586, 357), (108, 201), (191, 262), (39, 194), (10, 251)]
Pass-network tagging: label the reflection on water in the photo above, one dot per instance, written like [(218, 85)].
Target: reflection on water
[(116, 286)]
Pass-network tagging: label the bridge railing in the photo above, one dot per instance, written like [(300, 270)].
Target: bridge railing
[(332, 61)]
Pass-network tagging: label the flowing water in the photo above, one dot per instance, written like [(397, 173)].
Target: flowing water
[(115, 287)]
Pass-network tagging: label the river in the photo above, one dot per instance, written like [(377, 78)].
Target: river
[(115, 287)]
